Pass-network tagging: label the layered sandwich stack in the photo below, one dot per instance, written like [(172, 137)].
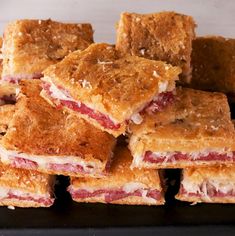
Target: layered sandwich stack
[(66, 102)]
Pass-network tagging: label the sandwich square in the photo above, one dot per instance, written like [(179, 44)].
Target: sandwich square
[(121, 186), (213, 184), (165, 36), (30, 46), (43, 138), (25, 188), (106, 89), (195, 130)]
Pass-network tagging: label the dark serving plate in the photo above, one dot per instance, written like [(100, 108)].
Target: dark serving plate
[(69, 218)]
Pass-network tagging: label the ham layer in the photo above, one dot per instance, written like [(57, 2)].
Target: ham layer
[(62, 164), (111, 195), (9, 194), (153, 157), (207, 190)]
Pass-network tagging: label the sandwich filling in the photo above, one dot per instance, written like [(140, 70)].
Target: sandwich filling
[(14, 79), (208, 189), (7, 194), (110, 195), (174, 157), (62, 98), (61, 164)]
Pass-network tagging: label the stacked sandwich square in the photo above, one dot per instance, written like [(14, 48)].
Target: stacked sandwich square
[(66, 102)]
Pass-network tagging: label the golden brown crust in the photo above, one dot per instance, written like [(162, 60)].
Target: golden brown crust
[(196, 121), (195, 199), (6, 114), (7, 89), (40, 129), (221, 173), (163, 36), (26, 180), (213, 60), (32, 45), (21, 203), (114, 85), (0, 58), (120, 173), (131, 200)]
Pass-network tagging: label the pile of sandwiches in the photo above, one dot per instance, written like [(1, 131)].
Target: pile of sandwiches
[(67, 104)]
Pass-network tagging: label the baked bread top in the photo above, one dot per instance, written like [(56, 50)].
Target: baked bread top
[(117, 86), (32, 45), (165, 36), (196, 121), (213, 60)]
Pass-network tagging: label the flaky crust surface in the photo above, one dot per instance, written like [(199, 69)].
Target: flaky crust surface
[(196, 121), (0, 57), (26, 180), (195, 199), (218, 173), (163, 36), (32, 45), (6, 114), (21, 203), (40, 129), (213, 63), (113, 85), (7, 89), (132, 200)]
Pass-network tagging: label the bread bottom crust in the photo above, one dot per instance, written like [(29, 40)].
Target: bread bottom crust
[(131, 200), (22, 203), (201, 199)]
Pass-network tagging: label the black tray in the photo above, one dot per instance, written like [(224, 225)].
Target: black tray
[(69, 218)]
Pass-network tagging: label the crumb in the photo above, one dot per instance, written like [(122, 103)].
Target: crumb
[(11, 207), (214, 128), (155, 74), (142, 51), (85, 84), (104, 62), (193, 204)]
